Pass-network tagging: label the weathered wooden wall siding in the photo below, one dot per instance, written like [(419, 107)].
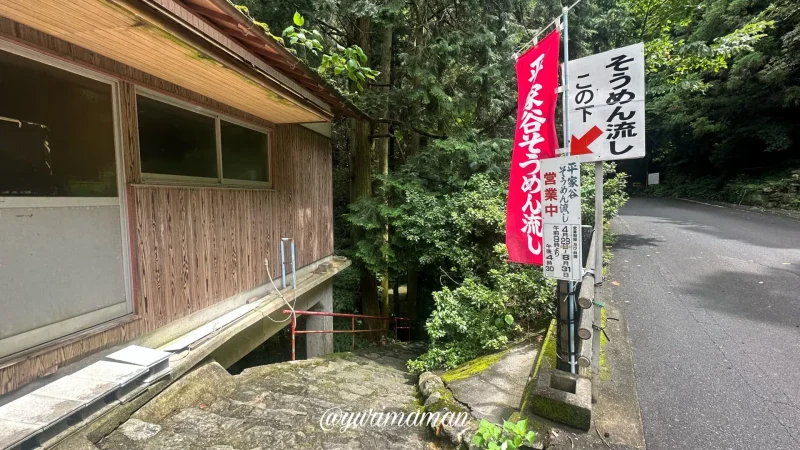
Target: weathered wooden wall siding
[(193, 247), (197, 246)]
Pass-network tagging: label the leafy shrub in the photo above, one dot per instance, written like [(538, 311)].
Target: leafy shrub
[(481, 316), (467, 322), (511, 437), (446, 211)]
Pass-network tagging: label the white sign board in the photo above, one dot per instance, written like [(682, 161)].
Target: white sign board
[(652, 178), (561, 218), (606, 105)]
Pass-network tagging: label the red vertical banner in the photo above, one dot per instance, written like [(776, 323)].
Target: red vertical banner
[(535, 138)]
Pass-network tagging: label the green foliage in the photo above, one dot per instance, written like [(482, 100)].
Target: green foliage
[(298, 19), (722, 78), (468, 322), (614, 194), (452, 72), (244, 9), (349, 61), (481, 316), (677, 65), (510, 437), (446, 207)]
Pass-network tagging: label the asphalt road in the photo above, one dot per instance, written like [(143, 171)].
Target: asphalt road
[(712, 299)]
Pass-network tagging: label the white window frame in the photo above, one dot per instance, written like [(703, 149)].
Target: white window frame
[(121, 199), (220, 180), (246, 183)]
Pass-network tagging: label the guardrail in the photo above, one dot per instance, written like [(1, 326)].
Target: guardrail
[(398, 327), (352, 330)]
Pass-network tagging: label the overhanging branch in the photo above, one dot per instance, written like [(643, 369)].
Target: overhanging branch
[(416, 130), (500, 118), (381, 136)]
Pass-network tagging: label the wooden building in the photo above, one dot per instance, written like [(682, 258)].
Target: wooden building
[(152, 155)]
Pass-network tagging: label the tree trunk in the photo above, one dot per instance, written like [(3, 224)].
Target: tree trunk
[(361, 186), (382, 147), (411, 299), (420, 11), (369, 301), (360, 162)]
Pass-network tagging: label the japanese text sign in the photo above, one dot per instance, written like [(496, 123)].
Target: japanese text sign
[(606, 105), (534, 140), (561, 205)]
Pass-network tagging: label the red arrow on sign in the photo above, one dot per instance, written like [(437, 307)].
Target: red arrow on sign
[(580, 146)]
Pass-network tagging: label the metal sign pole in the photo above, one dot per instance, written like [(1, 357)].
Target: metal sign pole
[(598, 221), (567, 137)]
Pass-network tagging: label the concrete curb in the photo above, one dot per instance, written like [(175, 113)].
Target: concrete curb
[(616, 419), (554, 394)]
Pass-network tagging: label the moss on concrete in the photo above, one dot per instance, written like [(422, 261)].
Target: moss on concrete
[(546, 353), (340, 355), (203, 385), (446, 400), (562, 413), (473, 367), (605, 373)]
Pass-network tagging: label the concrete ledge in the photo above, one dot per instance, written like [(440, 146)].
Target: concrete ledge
[(86, 433), (563, 397), (556, 395)]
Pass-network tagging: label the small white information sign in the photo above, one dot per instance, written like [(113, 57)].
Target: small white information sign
[(606, 105), (561, 218)]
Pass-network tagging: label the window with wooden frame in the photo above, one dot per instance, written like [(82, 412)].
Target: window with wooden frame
[(183, 144)]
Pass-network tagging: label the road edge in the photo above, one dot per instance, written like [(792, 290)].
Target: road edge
[(777, 212), (618, 412)]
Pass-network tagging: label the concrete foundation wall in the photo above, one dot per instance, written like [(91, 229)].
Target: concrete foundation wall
[(320, 298), (320, 344)]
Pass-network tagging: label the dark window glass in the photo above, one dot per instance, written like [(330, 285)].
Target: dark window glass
[(245, 153), (56, 132), (175, 141)]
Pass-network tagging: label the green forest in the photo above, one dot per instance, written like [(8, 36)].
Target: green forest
[(420, 182)]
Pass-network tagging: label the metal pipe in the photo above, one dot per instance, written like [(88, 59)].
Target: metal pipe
[(586, 294), (567, 138), (283, 264), (294, 272), (333, 314), (339, 331), (294, 330), (598, 222), (352, 329)]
